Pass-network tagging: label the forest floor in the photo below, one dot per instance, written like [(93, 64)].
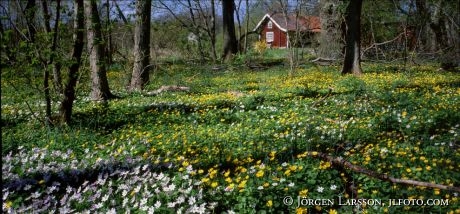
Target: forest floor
[(239, 140)]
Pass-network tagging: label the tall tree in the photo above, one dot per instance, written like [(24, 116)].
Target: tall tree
[(140, 75), (99, 85), (65, 110), (30, 10), (54, 44), (230, 42), (352, 61), (330, 44)]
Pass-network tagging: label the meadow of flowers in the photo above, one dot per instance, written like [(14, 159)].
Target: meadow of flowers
[(239, 142)]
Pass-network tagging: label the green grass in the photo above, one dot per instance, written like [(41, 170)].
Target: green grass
[(239, 138)]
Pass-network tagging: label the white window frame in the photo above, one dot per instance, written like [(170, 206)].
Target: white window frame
[(269, 36), (270, 25)]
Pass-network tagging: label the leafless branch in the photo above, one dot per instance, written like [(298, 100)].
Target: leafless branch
[(339, 161)]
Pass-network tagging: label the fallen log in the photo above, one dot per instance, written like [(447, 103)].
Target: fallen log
[(339, 161)]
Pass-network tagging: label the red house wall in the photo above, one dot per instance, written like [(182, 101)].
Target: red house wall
[(279, 37)]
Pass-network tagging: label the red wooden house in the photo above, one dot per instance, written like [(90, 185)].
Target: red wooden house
[(276, 30)]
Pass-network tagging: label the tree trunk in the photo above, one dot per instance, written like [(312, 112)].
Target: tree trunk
[(246, 30), (65, 110), (230, 43), (330, 45), (57, 79), (30, 9), (352, 61), (99, 85), (213, 30), (140, 75)]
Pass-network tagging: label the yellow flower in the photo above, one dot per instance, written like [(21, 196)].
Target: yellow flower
[(266, 184), (8, 204), (214, 184), (205, 180), (227, 173), (230, 187), (269, 203), (408, 170), (332, 211), (185, 163), (242, 184), (287, 172), (324, 165), (260, 173), (437, 192), (301, 210), (303, 193), (212, 173)]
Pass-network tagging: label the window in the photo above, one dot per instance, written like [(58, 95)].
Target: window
[(269, 25), (269, 37)]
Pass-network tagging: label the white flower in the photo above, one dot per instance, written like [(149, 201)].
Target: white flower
[(36, 194), (180, 200), (333, 187), (151, 210), (105, 198), (27, 187), (157, 204), (169, 188), (275, 184), (320, 189), (191, 200), (143, 202), (260, 187), (125, 201), (69, 189), (291, 184), (112, 211)]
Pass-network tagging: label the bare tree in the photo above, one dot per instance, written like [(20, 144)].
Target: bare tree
[(140, 75), (65, 109), (99, 85), (230, 42), (200, 21), (352, 61)]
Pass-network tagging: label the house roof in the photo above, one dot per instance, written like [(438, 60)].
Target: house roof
[(305, 23)]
